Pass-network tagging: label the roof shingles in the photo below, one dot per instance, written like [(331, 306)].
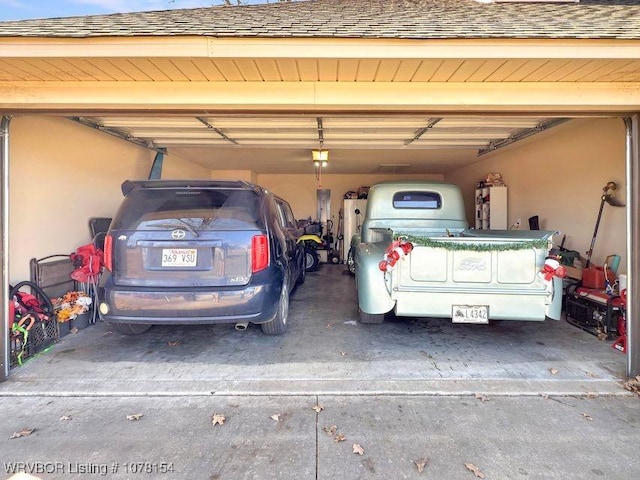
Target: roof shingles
[(409, 19)]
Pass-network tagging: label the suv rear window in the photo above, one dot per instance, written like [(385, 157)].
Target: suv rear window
[(199, 209)]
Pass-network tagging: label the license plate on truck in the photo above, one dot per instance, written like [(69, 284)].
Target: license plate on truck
[(179, 257), (470, 314)]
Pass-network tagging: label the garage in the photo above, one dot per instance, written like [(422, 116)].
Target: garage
[(88, 104)]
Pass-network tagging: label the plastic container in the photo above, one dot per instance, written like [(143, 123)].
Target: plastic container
[(81, 321), (593, 277)]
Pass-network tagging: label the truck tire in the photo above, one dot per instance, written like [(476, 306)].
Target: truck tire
[(371, 317), (278, 325), (351, 261), (131, 328)]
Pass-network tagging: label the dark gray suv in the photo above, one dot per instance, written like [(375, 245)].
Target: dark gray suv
[(196, 252)]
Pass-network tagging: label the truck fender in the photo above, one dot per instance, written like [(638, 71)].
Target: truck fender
[(373, 296)]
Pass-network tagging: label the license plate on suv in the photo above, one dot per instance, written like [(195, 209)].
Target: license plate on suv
[(470, 314), (179, 257)]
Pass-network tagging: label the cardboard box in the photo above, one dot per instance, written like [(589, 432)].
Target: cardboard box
[(573, 272)]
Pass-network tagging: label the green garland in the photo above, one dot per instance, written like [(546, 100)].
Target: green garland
[(475, 247)]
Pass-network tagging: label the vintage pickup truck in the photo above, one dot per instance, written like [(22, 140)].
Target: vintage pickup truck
[(416, 256)]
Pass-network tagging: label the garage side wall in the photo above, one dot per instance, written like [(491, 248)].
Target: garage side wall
[(62, 174), (559, 175)]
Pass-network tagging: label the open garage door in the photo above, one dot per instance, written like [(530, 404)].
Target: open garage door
[(384, 93)]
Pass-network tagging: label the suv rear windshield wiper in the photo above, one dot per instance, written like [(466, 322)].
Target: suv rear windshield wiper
[(183, 222)]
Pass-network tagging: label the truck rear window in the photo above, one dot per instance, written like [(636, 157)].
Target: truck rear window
[(423, 200), (200, 209)]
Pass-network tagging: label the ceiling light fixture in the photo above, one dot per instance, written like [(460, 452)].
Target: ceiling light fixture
[(320, 157)]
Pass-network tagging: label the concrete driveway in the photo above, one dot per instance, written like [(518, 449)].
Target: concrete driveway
[(510, 400)]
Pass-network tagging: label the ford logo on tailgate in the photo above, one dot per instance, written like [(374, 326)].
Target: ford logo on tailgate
[(178, 234)]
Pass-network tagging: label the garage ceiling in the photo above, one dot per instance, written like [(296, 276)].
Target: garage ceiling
[(357, 143)]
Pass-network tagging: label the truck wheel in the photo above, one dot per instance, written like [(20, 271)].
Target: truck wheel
[(311, 259), (278, 325), (131, 328), (371, 317), (351, 262)]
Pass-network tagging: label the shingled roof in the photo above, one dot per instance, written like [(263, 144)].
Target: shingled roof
[(409, 19)]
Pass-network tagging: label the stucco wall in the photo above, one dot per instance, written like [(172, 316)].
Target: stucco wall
[(559, 175), (63, 173)]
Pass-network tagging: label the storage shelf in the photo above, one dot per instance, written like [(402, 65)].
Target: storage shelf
[(491, 208)]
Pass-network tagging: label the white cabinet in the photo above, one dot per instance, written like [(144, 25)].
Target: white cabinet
[(491, 208), (352, 222)]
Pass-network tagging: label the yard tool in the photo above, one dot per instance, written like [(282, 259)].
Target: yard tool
[(606, 197)]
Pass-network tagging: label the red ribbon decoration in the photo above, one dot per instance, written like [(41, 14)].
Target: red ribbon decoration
[(552, 268), (393, 253)]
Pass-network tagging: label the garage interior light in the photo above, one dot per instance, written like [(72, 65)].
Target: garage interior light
[(320, 157)]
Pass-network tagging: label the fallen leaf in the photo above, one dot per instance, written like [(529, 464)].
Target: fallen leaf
[(74, 330), (482, 398), (476, 471), (554, 371), (421, 463), (343, 353), (134, 417), (25, 432), (357, 449), (318, 408), (602, 336), (587, 416), (218, 419), (339, 438), (591, 395), (65, 418), (592, 375), (329, 325), (331, 430), (633, 385), (174, 343), (275, 417)]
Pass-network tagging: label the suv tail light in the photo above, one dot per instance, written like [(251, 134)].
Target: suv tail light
[(259, 253), (108, 252)]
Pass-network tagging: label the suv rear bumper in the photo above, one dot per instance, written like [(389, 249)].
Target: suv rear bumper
[(253, 303)]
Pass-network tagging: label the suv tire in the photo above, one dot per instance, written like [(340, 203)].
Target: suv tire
[(278, 325), (131, 328)]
